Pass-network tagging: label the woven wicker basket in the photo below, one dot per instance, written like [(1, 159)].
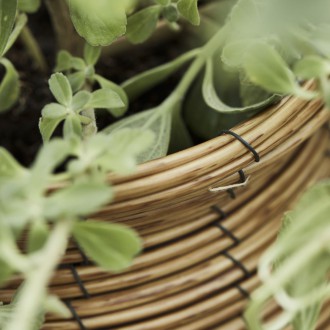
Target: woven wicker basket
[(201, 247)]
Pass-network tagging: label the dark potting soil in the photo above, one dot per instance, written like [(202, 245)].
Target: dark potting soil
[(19, 131)]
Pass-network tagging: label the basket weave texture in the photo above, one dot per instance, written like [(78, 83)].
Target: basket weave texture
[(201, 247)]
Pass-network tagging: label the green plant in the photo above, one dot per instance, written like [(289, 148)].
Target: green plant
[(275, 55)]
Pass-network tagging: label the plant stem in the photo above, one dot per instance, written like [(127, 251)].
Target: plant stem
[(91, 128), (34, 289), (33, 48)]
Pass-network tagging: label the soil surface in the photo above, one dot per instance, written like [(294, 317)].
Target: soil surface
[(19, 131)]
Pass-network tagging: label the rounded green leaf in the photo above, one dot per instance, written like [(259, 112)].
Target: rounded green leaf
[(111, 246), (54, 111), (61, 88), (9, 87), (189, 10), (142, 24), (100, 22), (105, 98)]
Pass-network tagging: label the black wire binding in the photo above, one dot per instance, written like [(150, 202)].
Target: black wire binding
[(226, 231), (242, 176), (75, 315), (246, 272), (231, 193), (218, 210), (245, 143), (79, 281), (243, 292)]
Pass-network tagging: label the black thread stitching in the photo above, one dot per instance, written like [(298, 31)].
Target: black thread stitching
[(79, 281), (240, 265), (75, 315), (242, 176), (225, 230), (243, 292), (218, 210), (231, 193), (244, 142)]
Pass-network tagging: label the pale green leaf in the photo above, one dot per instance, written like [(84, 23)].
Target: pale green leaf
[(9, 87), (72, 126), (104, 83), (80, 100), (189, 10), (111, 246), (7, 20), (266, 68), (9, 166), (105, 98), (155, 120), (142, 24), (54, 111), (124, 149), (79, 199), (100, 22), (77, 80), (48, 126), (312, 67), (61, 88), (212, 99), (19, 25), (65, 61), (37, 236)]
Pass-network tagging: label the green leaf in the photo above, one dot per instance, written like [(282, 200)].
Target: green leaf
[(7, 20), (65, 61), (105, 98), (266, 68), (37, 236), (49, 157), (48, 126), (213, 101), (56, 306), (142, 24), (9, 87), (77, 80), (312, 67), (72, 127), (100, 22), (111, 246), (79, 199), (54, 111), (5, 273), (61, 88), (189, 10), (28, 6), (80, 100), (143, 82), (123, 149), (91, 54), (9, 166), (20, 23), (155, 120), (104, 83), (163, 2)]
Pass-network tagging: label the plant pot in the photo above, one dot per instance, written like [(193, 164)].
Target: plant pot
[(201, 247)]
